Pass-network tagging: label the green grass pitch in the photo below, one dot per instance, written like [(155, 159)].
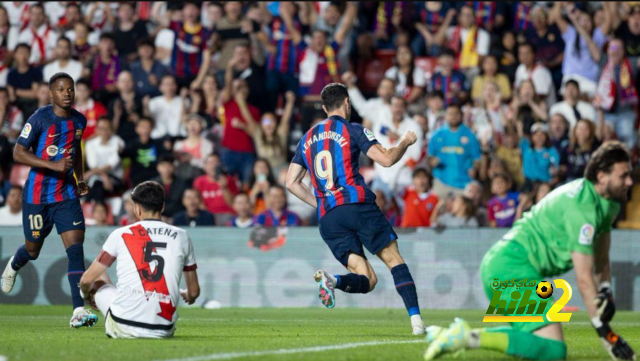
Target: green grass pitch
[(42, 333)]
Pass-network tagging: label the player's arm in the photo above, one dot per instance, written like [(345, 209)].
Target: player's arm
[(615, 345), (295, 175), (78, 170), (193, 287), (387, 157), (94, 272), (22, 155)]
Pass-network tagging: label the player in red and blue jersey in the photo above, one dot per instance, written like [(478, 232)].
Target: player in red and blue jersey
[(349, 217), (50, 144)]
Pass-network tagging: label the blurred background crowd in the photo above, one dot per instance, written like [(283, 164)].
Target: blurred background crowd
[(509, 100)]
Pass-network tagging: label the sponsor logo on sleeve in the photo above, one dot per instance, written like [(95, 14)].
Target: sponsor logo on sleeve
[(26, 131), (369, 134), (586, 234)]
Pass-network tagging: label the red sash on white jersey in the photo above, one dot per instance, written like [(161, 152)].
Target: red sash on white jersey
[(24, 17), (39, 41)]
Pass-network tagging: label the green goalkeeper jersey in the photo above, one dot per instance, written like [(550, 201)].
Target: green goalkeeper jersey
[(568, 219)]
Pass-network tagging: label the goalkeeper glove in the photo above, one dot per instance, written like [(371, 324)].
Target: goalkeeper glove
[(615, 345), (604, 303)]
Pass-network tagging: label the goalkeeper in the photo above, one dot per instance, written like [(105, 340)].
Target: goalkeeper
[(569, 228)]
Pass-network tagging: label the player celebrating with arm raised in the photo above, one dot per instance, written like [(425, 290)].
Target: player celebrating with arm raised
[(569, 228), (50, 145), (151, 258), (349, 216)]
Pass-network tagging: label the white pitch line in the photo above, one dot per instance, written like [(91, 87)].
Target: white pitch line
[(233, 355)]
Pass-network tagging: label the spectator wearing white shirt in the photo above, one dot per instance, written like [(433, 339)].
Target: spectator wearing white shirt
[(167, 110), (18, 12), (388, 132), (64, 63), (103, 158), (39, 35), (410, 80), (529, 69), (11, 213), (469, 42), (373, 110), (572, 108)]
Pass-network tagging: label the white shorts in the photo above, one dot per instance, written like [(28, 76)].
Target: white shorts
[(104, 298)]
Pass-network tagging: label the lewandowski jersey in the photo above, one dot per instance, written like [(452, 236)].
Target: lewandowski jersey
[(330, 151), (51, 138), (569, 219), (151, 257)]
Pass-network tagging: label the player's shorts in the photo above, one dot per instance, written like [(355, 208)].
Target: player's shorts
[(104, 298), (347, 228), (38, 219), (505, 261)]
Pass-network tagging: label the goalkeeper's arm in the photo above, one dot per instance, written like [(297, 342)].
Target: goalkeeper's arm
[(615, 345)]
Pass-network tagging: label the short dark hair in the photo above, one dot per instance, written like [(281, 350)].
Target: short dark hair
[(435, 94), (22, 45), (4, 90), (37, 5), (146, 42), (64, 38), (454, 105), (333, 96), (149, 195), (529, 45), (146, 119), (572, 82), (167, 158), (16, 187), (57, 76), (504, 177), (84, 81), (603, 159), (399, 97), (73, 5), (447, 52), (419, 171), (107, 36)]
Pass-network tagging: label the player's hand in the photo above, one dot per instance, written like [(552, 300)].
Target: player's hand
[(604, 304), (410, 137), (62, 166), (83, 188), (185, 297), (349, 79), (615, 345)]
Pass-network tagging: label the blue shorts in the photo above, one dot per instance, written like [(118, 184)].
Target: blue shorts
[(38, 219), (347, 228)]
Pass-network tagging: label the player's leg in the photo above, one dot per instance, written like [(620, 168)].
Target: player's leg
[(529, 340), (546, 343), (36, 225), (69, 222), (337, 231), (404, 284)]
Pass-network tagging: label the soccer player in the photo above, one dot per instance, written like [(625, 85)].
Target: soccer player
[(152, 256), (50, 145), (569, 228), (349, 216)]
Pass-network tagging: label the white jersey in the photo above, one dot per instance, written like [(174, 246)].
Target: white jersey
[(151, 257)]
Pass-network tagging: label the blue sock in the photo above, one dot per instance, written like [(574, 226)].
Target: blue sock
[(353, 283), (406, 288), (21, 258), (75, 254)]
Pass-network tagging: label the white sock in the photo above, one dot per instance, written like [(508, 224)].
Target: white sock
[(474, 340), (416, 321)]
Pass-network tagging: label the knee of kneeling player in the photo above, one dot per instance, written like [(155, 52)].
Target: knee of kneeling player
[(34, 254)]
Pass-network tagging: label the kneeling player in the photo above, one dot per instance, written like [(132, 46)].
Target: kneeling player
[(151, 257), (569, 228)]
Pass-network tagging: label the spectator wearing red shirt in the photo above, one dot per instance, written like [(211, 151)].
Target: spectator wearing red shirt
[(91, 109), (419, 202), (238, 153), (277, 214), (217, 189)]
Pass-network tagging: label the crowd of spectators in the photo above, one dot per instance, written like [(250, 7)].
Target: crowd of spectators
[(508, 99)]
